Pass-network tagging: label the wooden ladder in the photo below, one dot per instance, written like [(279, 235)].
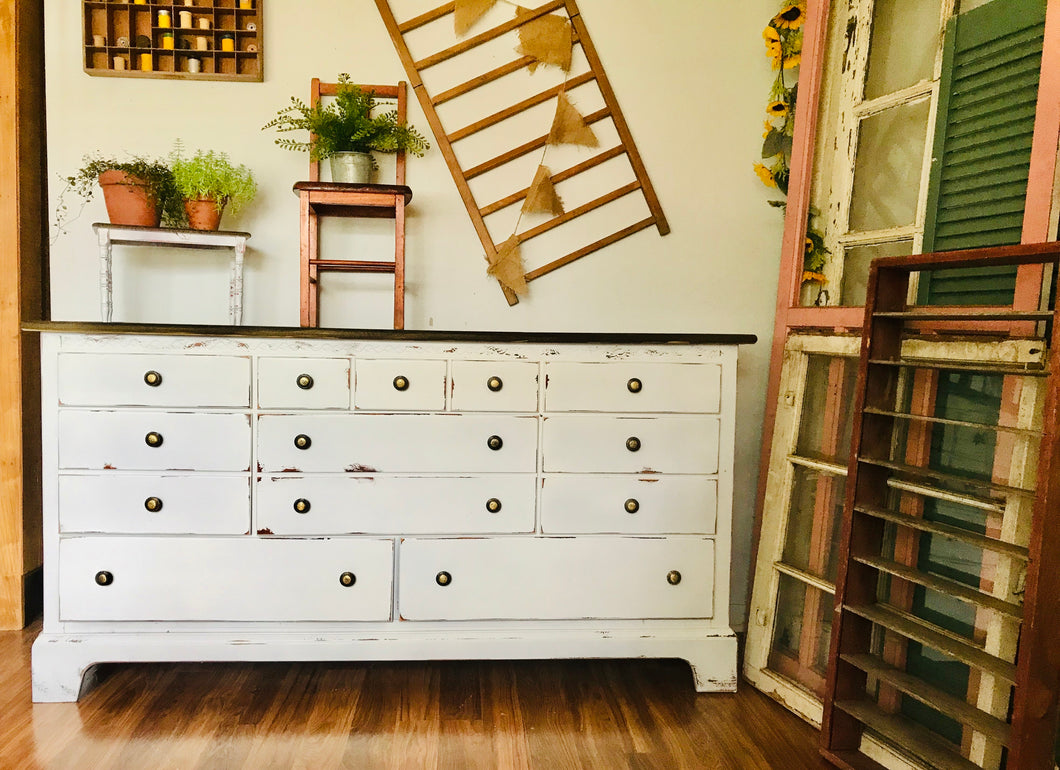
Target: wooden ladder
[(446, 138), (1014, 660)]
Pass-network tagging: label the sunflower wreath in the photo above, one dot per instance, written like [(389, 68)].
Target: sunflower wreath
[(783, 39)]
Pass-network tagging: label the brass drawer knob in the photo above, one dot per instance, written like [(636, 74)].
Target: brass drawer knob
[(401, 383), (347, 579), (443, 578), (493, 505), (153, 439), (633, 444), (494, 442), (673, 577), (494, 383), (304, 381), (104, 578), (302, 441), (153, 504), (153, 378), (632, 505), (301, 505), (634, 385)]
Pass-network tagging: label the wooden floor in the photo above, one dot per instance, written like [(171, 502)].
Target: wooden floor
[(550, 715)]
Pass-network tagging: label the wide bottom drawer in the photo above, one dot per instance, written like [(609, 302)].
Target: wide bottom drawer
[(238, 579), (556, 578)]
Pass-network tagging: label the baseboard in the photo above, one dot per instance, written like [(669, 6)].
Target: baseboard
[(33, 594)]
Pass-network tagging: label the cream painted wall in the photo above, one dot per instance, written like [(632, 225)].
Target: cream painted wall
[(691, 77)]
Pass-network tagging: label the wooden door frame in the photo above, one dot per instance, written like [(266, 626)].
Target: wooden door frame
[(23, 297)]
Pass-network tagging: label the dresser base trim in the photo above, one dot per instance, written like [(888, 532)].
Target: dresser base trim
[(63, 663)]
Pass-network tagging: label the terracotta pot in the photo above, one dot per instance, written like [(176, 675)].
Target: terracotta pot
[(129, 200), (203, 213)]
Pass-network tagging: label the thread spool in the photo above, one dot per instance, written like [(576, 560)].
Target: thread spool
[(167, 41), (119, 62), (164, 21), (99, 41), (147, 62), (194, 65), (185, 19), (228, 43), (200, 43), (204, 23)]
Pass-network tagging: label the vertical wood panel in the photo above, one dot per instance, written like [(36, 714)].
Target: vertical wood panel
[(22, 294)]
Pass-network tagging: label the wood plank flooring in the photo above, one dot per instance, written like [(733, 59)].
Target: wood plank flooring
[(544, 715)]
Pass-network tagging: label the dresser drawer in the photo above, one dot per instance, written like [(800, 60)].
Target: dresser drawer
[(376, 443), (197, 505), (118, 440), (399, 385), (599, 444), (234, 579), (494, 386), (555, 578), (632, 387), (629, 504), (304, 383), (91, 379), (315, 505)]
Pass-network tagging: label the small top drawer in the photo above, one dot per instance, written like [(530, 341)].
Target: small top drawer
[(118, 379), (494, 386), (632, 387), (305, 383), (399, 385)]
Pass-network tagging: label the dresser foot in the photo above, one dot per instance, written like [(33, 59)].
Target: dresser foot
[(61, 671), (713, 668)]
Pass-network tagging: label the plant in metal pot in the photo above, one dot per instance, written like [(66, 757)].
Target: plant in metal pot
[(208, 182), (137, 191), (346, 124)]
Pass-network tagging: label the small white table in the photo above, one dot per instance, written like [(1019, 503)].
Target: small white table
[(109, 235)]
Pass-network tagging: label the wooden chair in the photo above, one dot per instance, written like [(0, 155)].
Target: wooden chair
[(334, 199)]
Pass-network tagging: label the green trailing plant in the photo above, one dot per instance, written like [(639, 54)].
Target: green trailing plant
[(346, 124), (155, 174), (210, 174)]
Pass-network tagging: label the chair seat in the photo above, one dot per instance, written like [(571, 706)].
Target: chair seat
[(337, 199), (353, 266)]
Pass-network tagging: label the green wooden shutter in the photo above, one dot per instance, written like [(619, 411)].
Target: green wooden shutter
[(983, 133)]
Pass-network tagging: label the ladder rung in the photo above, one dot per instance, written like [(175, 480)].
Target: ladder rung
[(954, 588), (349, 266), (950, 481), (426, 18), (983, 368), (927, 313), (908, 736), (920, 631), (956, 423), (993, 728), (947, 531)]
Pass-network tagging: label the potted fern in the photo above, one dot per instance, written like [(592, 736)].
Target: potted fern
[(137, 191), (346, 132), (208, 182)]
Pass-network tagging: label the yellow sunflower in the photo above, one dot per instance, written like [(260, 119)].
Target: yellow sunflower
[(809, 275), (791, 16), (790, 61), (772, 38), (768, 128), (765, 175), (777, 109)]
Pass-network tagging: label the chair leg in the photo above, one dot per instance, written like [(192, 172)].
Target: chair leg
[(306, 251), (399, 262)]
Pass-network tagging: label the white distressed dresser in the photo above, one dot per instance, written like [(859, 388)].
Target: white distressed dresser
[(283, 494)]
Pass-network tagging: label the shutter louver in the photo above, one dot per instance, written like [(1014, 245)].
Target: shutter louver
[(984, 129)]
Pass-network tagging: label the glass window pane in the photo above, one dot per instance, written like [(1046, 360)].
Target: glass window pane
[(811, 542), (856, 261), (887, 171), (824, 430), (801, 634), (905, 36)]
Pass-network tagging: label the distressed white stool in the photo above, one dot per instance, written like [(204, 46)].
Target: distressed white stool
[(109, 235)]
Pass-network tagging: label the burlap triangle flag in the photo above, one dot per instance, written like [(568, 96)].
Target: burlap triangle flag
[(547, 39), (506, 265), (467, 12), (542, 197), (569, 127)]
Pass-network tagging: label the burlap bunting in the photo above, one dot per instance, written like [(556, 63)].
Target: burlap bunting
[(507, 266), (569, 127), (467, 12), (542, 197), (547, 39)]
